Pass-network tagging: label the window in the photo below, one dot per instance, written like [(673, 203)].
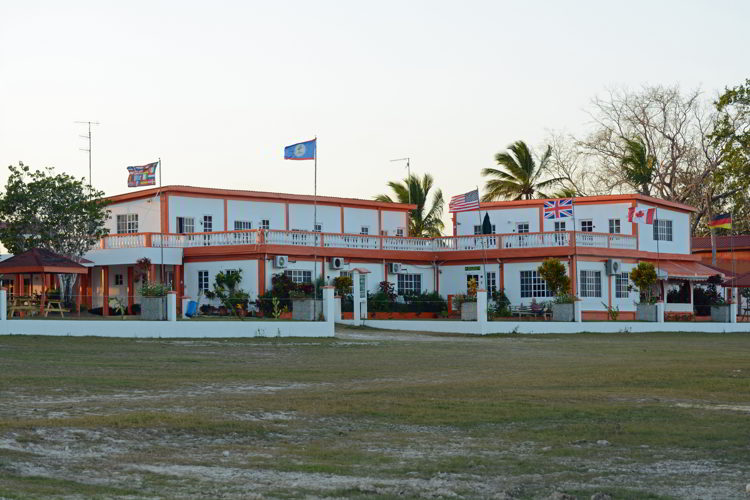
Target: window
[(662, 230), (591, 283), (185, 225), (614, 226), (400, 231), (118, 279), (521, 227), (127, 223), (621, 285), (587, 226), (299, 275), (409, 283), (208, 226), (532, 285), (364, 230), (470, 277), (491, 283), (363, 286), (265, 224), (346, 273), (318, 228), (560, 225), (478, 230), (202, 281), (242, 225)]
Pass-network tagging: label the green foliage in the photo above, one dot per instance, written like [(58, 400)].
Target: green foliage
[(119, 305), (553, 272), (140, 270), (638, 165), (612, 312), (153, 289), (42, 209), (226, 290), (431, 302), (343, 285), (644, 278), (422, 221), (500, 305), (519, 176)]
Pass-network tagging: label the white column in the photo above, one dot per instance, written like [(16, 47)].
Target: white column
[(660, 312), (171, 306), (329, 309), (3, 304), (355, 297), (482, 310), (733, 306), (577, 316)]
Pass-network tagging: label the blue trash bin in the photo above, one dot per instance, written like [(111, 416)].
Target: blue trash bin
[(192, 308)]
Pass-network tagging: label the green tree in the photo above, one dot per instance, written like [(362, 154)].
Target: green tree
[(644, 278), (423, 221), (43, 209), (553, 272), (520, 177), (638, 165)]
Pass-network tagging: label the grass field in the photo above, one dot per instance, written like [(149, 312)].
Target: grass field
[(376, 415)]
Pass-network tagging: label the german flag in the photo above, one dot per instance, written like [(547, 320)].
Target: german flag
[(721, 220)]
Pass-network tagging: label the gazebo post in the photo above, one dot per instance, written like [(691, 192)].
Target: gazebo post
[(44, 292), (79, 278), (18, 286), (105, 290)]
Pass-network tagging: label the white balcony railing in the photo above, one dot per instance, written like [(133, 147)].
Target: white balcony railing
[(369, 242)]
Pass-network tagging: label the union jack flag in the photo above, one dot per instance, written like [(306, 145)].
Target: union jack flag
[(557, 209)]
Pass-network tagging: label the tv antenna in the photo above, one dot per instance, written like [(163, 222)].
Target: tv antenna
[(408, 173), (89, 149)]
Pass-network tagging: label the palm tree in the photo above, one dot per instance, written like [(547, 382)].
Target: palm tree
[(638, 165), (519, 177), (422, 222)]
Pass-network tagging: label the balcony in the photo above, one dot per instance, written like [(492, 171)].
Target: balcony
[(270, 237)]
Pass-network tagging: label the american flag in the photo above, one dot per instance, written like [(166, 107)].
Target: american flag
[(464, 202), (557, 209)]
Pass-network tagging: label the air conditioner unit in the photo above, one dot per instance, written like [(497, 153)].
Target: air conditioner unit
[(613, 267), (395, 268), (337, 262), (280, 261)]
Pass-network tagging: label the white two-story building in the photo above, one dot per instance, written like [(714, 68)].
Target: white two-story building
[(197, 232)]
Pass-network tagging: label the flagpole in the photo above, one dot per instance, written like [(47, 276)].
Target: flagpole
[(315, 235), (575, 249), (484, 246), (161, 229)]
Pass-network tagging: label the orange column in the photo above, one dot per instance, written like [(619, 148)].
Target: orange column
[(79, 279), (89, 292), (573, 276), (105, 290), (152, 272), (44, 293), (178, 287), (261, 276), (131, 290)]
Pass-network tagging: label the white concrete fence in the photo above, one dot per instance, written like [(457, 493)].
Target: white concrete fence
[(171, 328)]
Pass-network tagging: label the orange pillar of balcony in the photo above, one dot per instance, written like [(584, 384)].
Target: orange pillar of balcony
[(131, 290), (105, 290), (178, 286), (77, 287)]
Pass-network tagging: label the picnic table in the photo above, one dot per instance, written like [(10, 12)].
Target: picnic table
[(32, 305)]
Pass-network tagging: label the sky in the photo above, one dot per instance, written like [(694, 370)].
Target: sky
[(217, 89)]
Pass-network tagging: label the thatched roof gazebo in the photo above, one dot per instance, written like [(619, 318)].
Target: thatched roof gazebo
[(45, 263)]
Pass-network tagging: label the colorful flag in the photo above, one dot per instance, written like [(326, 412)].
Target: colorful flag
[(464, 202), (145, 175), (641, 215), (301, 151), (721, 220), (557, 209)]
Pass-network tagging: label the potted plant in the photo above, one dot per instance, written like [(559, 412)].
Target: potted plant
[(153, 301), (644, 278), (553, 272), (720, 308), (226, 289)]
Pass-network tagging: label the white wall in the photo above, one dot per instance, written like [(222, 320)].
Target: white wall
[(680, 232), (593, 303), (301, 217), (148, 211), (394, 220), (255, 211), (453, 279), (504, 219), (355, 218), (426, 271), (249, 276), (599, 214), (185, 206)]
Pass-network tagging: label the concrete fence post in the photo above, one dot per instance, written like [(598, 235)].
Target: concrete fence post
[(660, 312), (482, 311), (577, 313), (171, 306), (329, 306), (355, 297), (3, 304), (733, 308)]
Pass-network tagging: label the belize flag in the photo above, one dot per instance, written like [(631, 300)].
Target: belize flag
[(301, 151)]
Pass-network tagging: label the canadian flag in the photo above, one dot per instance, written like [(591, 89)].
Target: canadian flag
[(641, 215)]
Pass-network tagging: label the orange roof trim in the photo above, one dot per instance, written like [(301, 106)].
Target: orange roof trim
[(609, 198), (176, 190)]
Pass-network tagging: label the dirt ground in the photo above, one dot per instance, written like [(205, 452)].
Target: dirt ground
[(375, 414)]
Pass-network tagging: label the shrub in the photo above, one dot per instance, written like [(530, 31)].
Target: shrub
[(153, 289), (553, 272), (343, 285), (226, 290), (644, 278)]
